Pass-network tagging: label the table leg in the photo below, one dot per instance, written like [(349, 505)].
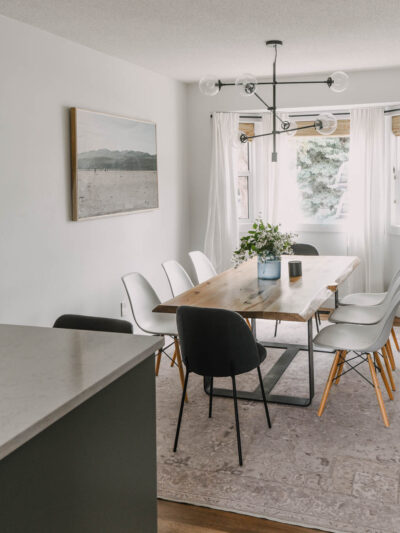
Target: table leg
[(276, 372)]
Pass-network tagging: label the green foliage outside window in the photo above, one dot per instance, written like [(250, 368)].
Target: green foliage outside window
[(320, 169)]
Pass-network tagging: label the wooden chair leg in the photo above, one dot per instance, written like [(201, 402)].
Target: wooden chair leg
[(158, 361), (248, 322), (180, 366), (388, 367), (328, 385), (342, 359), (383, 375), (395, 340), (378, 391), (173, 358), (390, 354)]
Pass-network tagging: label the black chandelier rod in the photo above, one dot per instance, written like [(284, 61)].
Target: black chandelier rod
[(274, 152), (328, 81), (278, 132)]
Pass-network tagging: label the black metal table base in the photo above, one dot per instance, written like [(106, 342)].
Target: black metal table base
[(275, 373)]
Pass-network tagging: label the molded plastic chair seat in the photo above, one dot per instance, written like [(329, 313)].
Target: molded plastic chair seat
[(363, 298), (352, 337), (355, 314), (164, 324)]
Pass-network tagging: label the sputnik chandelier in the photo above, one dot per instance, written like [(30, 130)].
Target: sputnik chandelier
[(247, 84)]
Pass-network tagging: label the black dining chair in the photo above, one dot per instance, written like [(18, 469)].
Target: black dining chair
[(93, 323), (300, 248), (218, 343)]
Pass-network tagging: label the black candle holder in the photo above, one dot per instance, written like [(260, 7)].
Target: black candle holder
[(295, 269)]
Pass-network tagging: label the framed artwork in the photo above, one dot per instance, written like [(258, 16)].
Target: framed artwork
[(114, 165)]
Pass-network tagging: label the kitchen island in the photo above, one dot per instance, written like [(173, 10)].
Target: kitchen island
[(77, 431)]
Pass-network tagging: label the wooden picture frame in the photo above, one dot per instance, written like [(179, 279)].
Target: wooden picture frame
[(114, 165)]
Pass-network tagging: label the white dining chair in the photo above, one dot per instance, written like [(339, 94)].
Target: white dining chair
[(369, 314), (363, 341), (143, 299), (368, 298), (202, 265), (178, 279)]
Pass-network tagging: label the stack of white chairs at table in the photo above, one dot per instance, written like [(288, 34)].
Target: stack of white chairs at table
[(362, 325), (143, 299)]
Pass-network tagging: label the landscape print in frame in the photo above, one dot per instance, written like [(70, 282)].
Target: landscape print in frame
[(114, 165)]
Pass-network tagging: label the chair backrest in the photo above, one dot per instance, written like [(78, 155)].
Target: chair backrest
[(203, 266), (178, 278), (384, 327), (93, 323), (300, 248), (215, 342), (143, 300), (394, 280)]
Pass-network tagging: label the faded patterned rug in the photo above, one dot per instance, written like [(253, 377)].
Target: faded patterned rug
[(338, 473)]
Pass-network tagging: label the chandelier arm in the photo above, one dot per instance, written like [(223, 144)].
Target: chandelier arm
[(327, 82), (263, 101), (278, 132)]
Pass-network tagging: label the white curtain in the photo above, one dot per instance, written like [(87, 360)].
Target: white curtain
[(280, 192), (367, 193), (222, 233)]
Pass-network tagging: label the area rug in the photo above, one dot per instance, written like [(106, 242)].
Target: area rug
[(337, 473)]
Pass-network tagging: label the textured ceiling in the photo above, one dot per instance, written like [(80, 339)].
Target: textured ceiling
[(186, 39)]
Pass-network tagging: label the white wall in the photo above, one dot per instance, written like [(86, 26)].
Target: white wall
[(50, 265), (366, 87)]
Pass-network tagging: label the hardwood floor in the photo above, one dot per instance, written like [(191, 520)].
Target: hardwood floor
[(182, 518)]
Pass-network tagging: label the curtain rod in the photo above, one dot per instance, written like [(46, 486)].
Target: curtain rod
[(303, 115)]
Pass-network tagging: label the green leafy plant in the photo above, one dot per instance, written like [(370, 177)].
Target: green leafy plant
[(264, 241)]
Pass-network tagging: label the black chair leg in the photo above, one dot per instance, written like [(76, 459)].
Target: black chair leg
[(239, 445), (264, 397), (181, 410), (211, 397), (276, 328), (319, 317), (316, 322)]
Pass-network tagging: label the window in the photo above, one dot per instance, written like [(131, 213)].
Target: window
[(321, 176), (245, 175), (243, 182), (316, 175), (394, 169)]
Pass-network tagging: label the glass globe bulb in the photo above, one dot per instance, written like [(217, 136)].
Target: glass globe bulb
[(209, 85), (286, 125), (238, 139), (340, 81), (326, 124), (246, 83)]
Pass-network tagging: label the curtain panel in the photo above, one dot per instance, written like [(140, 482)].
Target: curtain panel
[(367, 193), (222, 233)]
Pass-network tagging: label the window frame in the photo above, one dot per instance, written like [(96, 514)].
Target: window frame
[(245, 224), (393, 174)]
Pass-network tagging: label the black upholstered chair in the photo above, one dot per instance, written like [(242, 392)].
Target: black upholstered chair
[(300, 248), (218, 343), (93, 323)]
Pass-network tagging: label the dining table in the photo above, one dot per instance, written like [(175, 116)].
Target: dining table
[(288, 299)]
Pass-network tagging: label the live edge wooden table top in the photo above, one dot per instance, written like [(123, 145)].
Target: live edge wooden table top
[(296, 299)]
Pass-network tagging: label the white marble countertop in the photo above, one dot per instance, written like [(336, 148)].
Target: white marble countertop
[(46, 372)]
